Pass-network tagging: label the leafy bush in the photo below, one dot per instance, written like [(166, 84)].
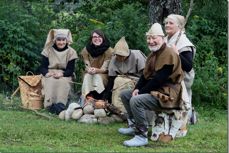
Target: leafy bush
[(210, 85), (17, 51), (22, 35), (25, 24), (129, 20)]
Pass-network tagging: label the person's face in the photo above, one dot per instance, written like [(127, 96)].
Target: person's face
[(154, 42), (61, 42), (171, 27), (97, 40), (120, 58)]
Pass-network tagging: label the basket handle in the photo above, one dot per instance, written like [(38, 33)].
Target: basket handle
[(29, 72), (14, 93)]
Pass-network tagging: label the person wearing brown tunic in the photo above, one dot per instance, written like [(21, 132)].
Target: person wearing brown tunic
[(162, 72), (96, 56), (57, 68)]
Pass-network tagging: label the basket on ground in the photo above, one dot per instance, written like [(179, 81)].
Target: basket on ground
[(30, 91)]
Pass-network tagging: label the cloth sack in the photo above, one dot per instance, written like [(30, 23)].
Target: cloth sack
[(120, 83)]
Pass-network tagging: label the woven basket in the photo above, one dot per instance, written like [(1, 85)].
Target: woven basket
[(30, 91)]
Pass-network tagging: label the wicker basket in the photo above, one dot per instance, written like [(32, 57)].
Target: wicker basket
[(30, 91)]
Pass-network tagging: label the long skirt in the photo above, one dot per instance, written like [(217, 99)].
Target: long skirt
[(95, 82), (55, 90)]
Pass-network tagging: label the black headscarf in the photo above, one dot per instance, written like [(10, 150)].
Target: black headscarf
[(95, 51)]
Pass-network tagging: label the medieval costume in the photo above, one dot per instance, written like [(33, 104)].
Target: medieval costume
[(186, 52), (96, 57), (162, 75), (57, 60), (123, 74)]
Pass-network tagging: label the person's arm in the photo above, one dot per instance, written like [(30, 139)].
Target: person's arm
[(69, 68), (84, 55), (44, 65), (108, 90), (104, 67), (186, 60), (107, 59), (160, 77), (141, 82)]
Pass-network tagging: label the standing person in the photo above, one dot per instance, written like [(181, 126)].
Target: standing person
[(124, 70), (184, 48), (96, 56), (57, 68), (162, 74)]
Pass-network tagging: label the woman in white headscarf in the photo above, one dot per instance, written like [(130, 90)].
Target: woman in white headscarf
[(186, 50), (57, 68), (176, 38), (174, 24), (96, 55)]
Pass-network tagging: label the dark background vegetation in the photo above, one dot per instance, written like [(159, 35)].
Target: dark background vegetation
[(24, 26)]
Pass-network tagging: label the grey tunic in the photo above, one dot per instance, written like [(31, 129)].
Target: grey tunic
[(131, 66)]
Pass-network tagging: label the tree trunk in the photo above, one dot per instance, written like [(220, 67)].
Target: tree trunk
[(160, 9)]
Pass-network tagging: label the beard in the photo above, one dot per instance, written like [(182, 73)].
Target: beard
[(154, 48)]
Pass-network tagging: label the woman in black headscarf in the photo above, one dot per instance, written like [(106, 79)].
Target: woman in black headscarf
[(96, 56)]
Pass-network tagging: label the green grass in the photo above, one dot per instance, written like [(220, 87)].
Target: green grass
[(24, 131)]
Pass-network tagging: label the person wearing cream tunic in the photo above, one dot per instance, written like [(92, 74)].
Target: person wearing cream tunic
[(57, 67)]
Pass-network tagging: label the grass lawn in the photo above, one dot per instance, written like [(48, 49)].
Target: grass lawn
[(24, 131)]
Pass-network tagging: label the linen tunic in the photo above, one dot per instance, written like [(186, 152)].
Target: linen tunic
[(57, 90), (98, 81)]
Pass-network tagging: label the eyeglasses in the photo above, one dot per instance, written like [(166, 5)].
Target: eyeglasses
[(94, 37)]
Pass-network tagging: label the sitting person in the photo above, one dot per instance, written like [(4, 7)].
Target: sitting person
[(57, 68), (96, 56), (125, 68), (174, 24), (158, 89)]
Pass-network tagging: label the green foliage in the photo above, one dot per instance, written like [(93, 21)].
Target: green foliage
[(210, 86), (208, 36), (131, 22), (208, 31), (25, 24), (23, 34), (211, 79), (18, 48)]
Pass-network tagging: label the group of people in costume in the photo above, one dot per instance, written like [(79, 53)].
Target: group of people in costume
[(159, 84)]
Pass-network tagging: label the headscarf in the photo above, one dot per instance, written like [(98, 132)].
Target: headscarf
[(95, 51), (57, 33), (178, 19)]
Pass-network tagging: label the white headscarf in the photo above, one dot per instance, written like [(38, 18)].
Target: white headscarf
[(178, 19), (57, 33)]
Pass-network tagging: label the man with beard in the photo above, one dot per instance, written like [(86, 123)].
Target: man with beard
[(162, 74)]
